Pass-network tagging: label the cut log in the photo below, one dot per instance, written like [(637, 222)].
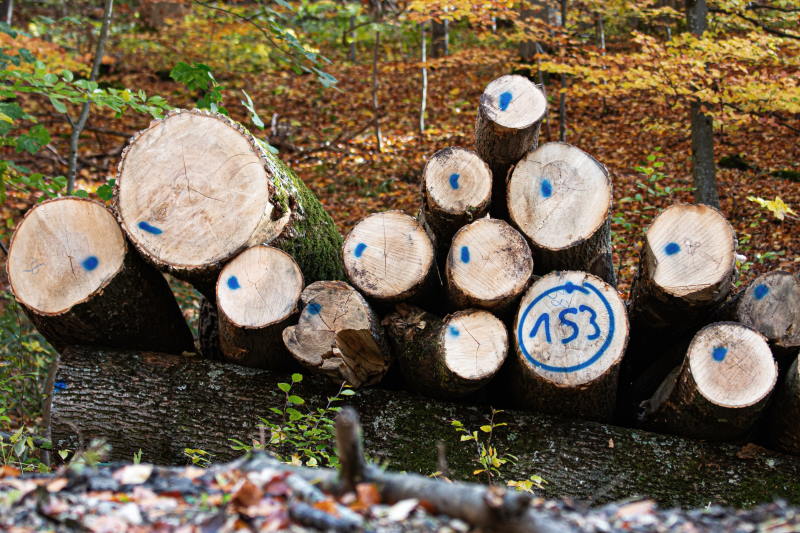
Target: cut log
[(339, 335), (560, 197), (457, 189), (784, 429), (450, 357), (80, 282), (509, 116), (195, 189), (720, 389), (257, 298), (489, 266), (119, 396), (570, 334), (389, 257)]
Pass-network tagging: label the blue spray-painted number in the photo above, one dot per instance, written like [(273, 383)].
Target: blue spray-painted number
[(359, 251), (761, 290), (546, 188), (719, 353), (60, 385), (544, 318), (233, 283), (146, 226), (465, 254), (90, 263), (505, 100), (453, 331), (454, 180), (314, 308), (562, 317), (672, 248)]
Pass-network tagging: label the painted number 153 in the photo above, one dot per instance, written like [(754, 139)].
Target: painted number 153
[(563, 317)]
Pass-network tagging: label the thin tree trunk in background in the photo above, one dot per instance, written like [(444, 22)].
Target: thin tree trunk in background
[(703, 168), (424, 100), (7, 9), (438, 45), (542, 85), (352, 53), (446, 38), (494, 24), (601, 34), (526, 48), (562, 102), (77, 126), (375, 53)]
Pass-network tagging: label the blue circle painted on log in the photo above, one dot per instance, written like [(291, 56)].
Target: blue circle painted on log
[(719, 353), (546, 188), (233, 283), (314, 308), (359, 251), (505, 100), (453, 331), (760, 291), (146, 226), (465, 254), (672, 248), (90, 263), (454, 180)]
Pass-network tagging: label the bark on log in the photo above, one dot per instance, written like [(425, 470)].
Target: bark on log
[(489, 266), (509, 116), (450, 357), (389, 257), (163, 404), (79, 281), (257, 298), (560, 197), (339, 335), (784, 429), (720, 389), (208, 330), (189, 205), (456, 189), (570, 335)]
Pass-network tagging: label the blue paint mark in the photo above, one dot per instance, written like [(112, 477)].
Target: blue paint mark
[(150, 229), (505, 99), (454, 180), (719, 353), (761, 291), (592, 321), (314, 308), (465, 254), (90, 263), (546, 188), (569, 287), (453, 331), (562, 317), (233, 283), (672, 248), (60, 385), (544, 318), (359, 251)]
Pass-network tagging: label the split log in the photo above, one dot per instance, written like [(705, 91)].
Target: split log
[(389, 257), (489, 266), (257, 298), (339, 335), (79, 281), (570, 333), (560, 197), (783, 428), (450, 357), (196, 188), (720, 389), (509, 116), (457, 189), (119, 396)]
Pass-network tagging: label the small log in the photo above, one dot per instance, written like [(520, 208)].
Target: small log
[(509, 116), (783, 428), (489, 266), (196, 188), (389, 257), (560, 198), (457, 189), (570, 333), (720, 389), (80, 282), (450, 357), (257, 298), (339, 335)]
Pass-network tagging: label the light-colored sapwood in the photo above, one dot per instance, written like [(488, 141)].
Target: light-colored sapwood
[(71, 268), (339, 335), (257, 298), (560, 197)]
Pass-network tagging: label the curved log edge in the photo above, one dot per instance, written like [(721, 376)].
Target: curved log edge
[(162, 404)]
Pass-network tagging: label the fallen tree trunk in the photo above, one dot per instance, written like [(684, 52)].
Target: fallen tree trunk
[(80, 282), (783, 429), (163, 404)]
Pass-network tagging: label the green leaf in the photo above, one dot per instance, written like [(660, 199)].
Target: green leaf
[(347, 392), (285, 387), (253, 113), (297, 378), (32, 141), (58, 104), (486, 429), (297, 400), (80, 193)]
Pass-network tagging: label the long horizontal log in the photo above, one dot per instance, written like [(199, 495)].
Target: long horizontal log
[(162, 404)]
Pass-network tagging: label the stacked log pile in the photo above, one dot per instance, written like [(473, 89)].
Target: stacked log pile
[(510, 252)]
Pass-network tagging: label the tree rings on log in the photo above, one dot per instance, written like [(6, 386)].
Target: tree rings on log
[(720, 389), (450, 357), (509, 115), (560, 196), (570, 334), (457, 189), (489, 265), (784, 420), (771, 306), (339, 335), (257, 297), (70, 267), (388, 256)]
